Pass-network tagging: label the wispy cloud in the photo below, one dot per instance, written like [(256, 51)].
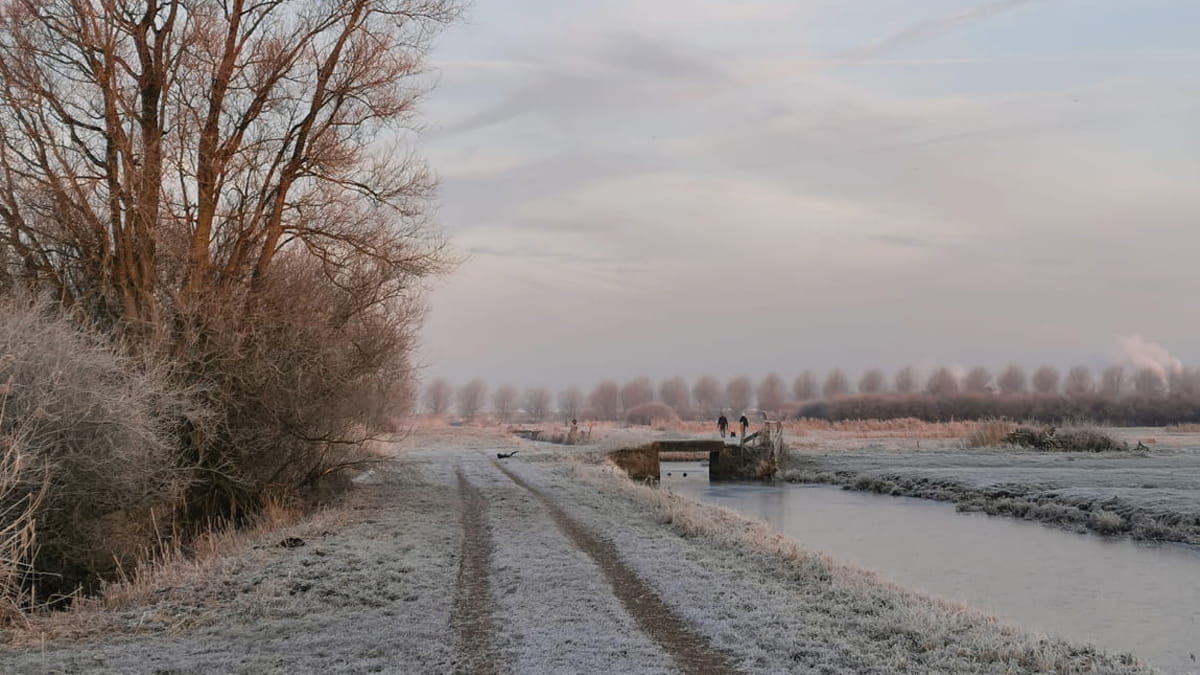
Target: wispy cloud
[(929, 29)]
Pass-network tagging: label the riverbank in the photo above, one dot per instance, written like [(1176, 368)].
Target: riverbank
[(1150, 495), (456, 561)]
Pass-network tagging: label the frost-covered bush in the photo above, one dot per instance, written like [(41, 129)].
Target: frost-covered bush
[(89, 466), (651, 413)]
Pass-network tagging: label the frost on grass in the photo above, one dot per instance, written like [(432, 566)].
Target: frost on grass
[(778, 608), (367, 593), (1143, 495)]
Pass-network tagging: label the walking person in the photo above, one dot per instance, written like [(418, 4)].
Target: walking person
[(722, 424), (745, 424)]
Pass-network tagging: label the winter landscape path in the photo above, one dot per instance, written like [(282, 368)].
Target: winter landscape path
[(452, 561)]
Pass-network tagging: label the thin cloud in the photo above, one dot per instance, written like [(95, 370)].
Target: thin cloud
[(933, 28)]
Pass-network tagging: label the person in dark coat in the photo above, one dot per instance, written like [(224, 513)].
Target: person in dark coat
[(745, 424), (722, 424)]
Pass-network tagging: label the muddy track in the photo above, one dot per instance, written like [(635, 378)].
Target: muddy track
[(473, 607), (691, 652)]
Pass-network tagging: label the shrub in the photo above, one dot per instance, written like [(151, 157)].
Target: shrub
[(1071, 440), (88, 478), (651, 413), (298, 386)]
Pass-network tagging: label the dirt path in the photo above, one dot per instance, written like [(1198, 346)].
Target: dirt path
[(473, 607), (692, 653)]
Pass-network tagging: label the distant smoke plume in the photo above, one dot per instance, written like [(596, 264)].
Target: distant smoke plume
[(1142, 354)]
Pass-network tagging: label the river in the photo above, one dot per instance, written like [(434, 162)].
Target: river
[(1118, 594)]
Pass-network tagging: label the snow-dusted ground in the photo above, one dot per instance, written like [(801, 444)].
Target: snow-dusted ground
[(1156, 494), (374, 589)]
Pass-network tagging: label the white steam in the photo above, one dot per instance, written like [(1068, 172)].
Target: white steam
[(1142, 354)]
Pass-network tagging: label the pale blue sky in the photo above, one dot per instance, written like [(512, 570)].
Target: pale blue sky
[(745, 187)]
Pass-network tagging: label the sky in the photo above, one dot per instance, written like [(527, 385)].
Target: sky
[(743, 187)]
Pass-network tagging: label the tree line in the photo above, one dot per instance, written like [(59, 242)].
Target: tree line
[(1115, 394)]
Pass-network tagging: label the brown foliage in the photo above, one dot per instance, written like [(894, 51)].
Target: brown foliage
[(651, 413), (771, 393), (604, 401)]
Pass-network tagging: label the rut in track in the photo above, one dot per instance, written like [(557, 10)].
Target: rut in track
[(691, 652), (473, 608)]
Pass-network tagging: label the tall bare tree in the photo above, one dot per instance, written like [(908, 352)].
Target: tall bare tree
[(537, 403), (1045, 380), (504, 401), (1149, 383), (636, 392), (836, 384), (707, 395), (1012, 380), (604, 402), (771, 393), (674, 392), (570, 402), (1112, 381), (437, 396), (977, 381), (471, 397), (872, 382), (1079, 382), (942, 382), (230, 185), (905, 380), (738, 393), (804, 387), (164, 149)]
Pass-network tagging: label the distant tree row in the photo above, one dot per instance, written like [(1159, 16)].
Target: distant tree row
[(943, 392)]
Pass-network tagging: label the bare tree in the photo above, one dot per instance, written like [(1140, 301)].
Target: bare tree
[(229, 185), (977, 381), (941, 382), (437, 396), (1045, 380), (1079, 382), (872, 382), (537, 403), (1012, 380), (836, 384), (805, 388), (470, 398), (1149, 383), (771, 393), (176, 149), (504, 401), (605, 400), (738, 392), (1184, 382), (636, 392), (1112, 381), (905, 380), (707, 395), (674, 392), (570, 402)]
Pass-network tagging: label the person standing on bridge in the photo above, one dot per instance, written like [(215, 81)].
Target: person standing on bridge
[(722, 424), (745, 424)]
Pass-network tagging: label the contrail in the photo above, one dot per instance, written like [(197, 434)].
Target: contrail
[(932, 28)]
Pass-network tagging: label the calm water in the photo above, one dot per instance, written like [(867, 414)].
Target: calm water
[(1120, 595)]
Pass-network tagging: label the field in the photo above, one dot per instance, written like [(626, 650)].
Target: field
[(1146, 494), (449, 559)]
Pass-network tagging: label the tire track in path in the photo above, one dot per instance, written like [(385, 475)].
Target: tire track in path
[(691, 652), (473, 607)]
